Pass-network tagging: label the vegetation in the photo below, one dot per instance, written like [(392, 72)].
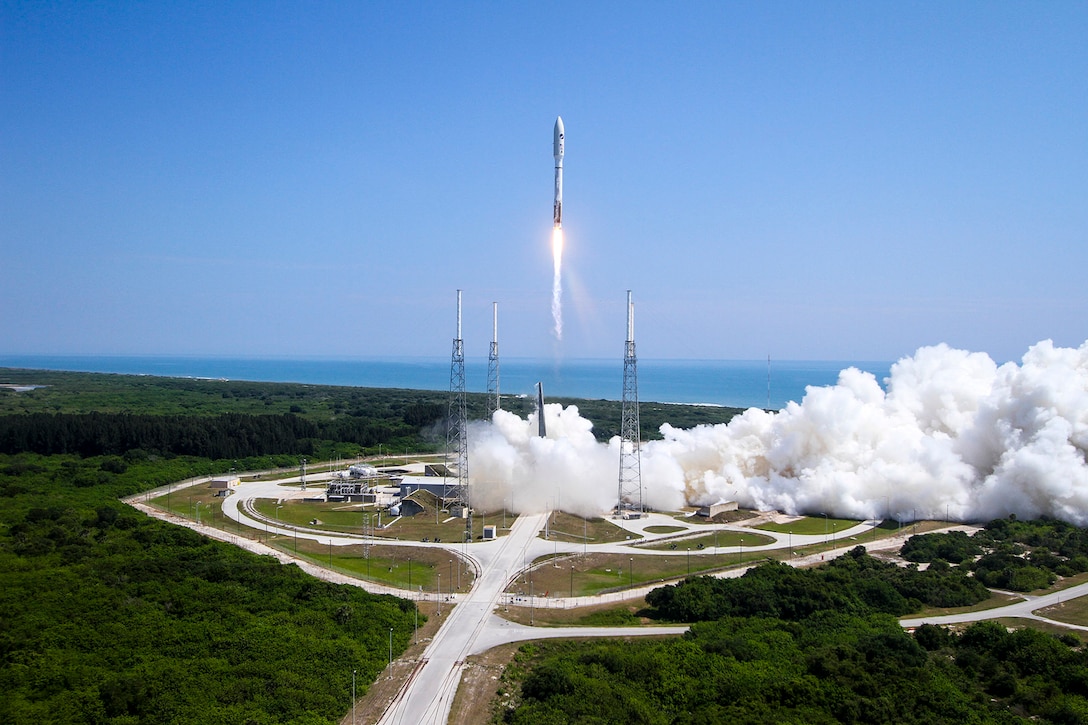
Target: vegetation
[(394, 418), (1009, 554), (854, 583), (112, 617), (830, 667), (953, 547)]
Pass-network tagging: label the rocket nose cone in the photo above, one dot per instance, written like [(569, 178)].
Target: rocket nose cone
[(557, 139)]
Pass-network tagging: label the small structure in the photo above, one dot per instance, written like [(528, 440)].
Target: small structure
[(223, 484), (714, 509), (362, 471), (410, 507), (489, 532)]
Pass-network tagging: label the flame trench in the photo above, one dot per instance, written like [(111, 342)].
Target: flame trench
[(557, 281)]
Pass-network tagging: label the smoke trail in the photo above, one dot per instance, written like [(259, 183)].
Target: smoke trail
[(557, 281), (954, 435)]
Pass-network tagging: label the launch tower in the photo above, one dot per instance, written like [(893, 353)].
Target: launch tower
[(629, 501), (455, 492)]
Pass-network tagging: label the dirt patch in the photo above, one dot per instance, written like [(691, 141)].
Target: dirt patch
[(538, 617), (370, 707), (481, 682)]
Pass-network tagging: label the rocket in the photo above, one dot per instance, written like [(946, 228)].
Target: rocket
[(542, 431), (557, 151)]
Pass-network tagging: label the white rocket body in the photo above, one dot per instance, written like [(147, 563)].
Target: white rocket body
[(557, 151)]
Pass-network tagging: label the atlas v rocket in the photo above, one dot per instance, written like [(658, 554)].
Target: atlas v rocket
[(542, 430), (557, 151)]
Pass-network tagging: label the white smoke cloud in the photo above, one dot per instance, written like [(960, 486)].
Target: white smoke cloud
[(954, 434)]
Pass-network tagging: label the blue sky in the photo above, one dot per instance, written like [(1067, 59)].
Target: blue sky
[(844, 181)]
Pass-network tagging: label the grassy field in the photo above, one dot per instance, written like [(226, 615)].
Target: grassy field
[(414, 568), (589, 574), (1074, 611), (600, 615), (664, 529), (809, 525), (710, 540), (574, 529), (352, 518)]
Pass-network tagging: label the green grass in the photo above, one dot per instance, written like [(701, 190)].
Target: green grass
[(708, 541), (400, 567), (664, 529), (574, 529), (810, 525), (346, 517), (597, 573)]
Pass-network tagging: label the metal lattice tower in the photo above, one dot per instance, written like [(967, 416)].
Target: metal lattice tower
[(493, 402), (456, 494), (629, 500)]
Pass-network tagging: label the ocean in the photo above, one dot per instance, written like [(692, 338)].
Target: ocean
[(737, 383)]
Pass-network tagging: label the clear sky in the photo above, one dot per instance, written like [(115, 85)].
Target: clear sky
[(809, 180)]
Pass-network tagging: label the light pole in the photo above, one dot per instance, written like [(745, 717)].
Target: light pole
[(439, 594), (791, 544), (409, 573), (740, 554), (390, 645), (353, 697), (631, 571), (689, 560), (572, 581), (825, 527)]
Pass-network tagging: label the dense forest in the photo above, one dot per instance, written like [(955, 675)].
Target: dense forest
[(855, 583), (366, 417), (1008, 554), (112, 617), (828, 667)]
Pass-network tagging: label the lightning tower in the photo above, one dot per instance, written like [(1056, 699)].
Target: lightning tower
[(629, 500), (493, 403), (455, 494)]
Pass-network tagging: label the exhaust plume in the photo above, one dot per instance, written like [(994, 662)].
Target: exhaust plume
[(953, 435)]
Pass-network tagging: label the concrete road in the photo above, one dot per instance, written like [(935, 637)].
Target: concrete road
[(1024, 609)]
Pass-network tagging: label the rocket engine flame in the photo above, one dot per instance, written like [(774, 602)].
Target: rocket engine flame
[(557, 281), (558, 146)]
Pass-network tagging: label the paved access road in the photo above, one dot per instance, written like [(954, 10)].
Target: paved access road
[(1024, 609)]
